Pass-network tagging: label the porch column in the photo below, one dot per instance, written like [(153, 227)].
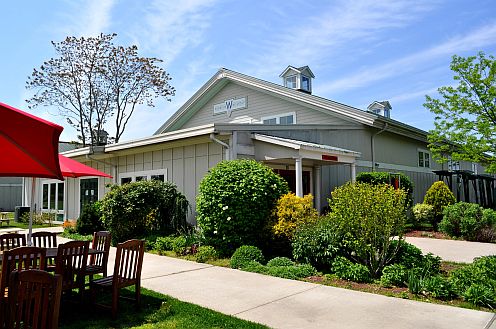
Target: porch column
[(299, 177), (317, 184), (353, 172)]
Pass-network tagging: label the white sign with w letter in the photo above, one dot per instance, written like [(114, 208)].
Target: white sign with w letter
[(230, 105)]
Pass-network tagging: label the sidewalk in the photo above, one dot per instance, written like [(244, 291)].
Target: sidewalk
[(281, 303)]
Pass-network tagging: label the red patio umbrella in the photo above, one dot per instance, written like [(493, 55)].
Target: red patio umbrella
[(74, 169)]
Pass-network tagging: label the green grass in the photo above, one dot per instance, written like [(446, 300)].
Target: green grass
[(157, 311), (19, 225)]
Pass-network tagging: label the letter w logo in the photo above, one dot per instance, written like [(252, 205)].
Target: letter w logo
[(229, 104)]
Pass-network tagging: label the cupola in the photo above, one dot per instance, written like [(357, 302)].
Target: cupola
[(298, 78), (380, 108)]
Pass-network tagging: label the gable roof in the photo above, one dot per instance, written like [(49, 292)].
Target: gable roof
[(298, 70), (224, 76)]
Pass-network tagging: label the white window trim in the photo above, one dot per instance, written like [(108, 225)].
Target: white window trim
[(295, 76), (279, 116), (147, 173), (430, 158), (309, 82), (49, 182)]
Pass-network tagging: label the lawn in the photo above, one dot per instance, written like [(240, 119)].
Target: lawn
[(157, 311)]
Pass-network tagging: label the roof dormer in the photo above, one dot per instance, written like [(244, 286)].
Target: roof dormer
[(380, 108), (298, 78)]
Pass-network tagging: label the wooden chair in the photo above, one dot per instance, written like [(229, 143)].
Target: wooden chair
[(71, 264), (12, 240), (18, 259), (34, 300), (127, 272), (98, 262), (45, 240)]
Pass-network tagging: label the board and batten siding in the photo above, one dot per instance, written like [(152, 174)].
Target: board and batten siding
[(258, 105), (10, 193)]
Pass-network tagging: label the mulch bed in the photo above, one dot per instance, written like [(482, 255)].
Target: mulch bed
[(427, 234)]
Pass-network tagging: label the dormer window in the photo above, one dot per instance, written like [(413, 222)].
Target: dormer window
[(298, 78)]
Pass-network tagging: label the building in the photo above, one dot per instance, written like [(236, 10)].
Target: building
[(316, 144)]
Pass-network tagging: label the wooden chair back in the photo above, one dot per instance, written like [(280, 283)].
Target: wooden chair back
[(18, 259), (12, 240), (128, 263), (71, 264), (44, 239), (98, 262), (34, 300)]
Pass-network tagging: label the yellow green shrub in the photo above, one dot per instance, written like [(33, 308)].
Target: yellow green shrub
[(291, 212)]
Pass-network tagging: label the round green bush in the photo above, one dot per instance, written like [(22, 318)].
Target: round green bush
[(422, 213), (438, 287), (394, 275), (377, 177), (280, 261), (480, 295), (407, 254), (347, 270), (255, 267), (164, 243), (235, 202), (317, 243), (462, 219), (89, 220), (143, 208), (244, 254), (292, 272), (439, 196), (205, 253)]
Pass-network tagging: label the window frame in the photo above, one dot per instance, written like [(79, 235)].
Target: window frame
[(141, 174), (308, 85), (426, 155), (278, 118), (291, 77)]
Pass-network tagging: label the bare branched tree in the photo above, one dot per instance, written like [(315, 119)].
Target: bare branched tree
[(93, 81)]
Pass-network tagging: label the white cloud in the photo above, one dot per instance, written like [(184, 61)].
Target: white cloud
[(474, 40), (87, 18)]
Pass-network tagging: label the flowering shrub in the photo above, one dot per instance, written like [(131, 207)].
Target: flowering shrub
[(291, 212), (235, 202), (423, 213), (439, 196)]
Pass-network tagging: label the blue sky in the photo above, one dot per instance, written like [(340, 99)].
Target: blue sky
[(359, 51)]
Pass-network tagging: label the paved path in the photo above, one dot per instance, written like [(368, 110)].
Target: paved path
[(281, 303)]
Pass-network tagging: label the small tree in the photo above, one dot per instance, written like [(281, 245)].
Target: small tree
[(235, 202), (466, 113), (368, 216), (439, 196)]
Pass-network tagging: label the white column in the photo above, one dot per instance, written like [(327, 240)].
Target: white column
[(299, 177), (353, 172), (317, 184)]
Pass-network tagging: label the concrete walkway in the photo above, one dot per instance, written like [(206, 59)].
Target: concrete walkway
[(281, 303)]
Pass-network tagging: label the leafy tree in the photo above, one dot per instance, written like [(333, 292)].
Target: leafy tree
[(466, 113), (92, 81)]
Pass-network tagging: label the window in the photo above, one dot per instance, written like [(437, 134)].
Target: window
[(140, 178), (159, 174), (424, 159), (453, 165), (158, 177), (305, 83), (126, 180), (290, 82), (281, 119), (52, 196)]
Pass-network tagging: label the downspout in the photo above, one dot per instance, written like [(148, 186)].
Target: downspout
[(372, 142), (218, 141)]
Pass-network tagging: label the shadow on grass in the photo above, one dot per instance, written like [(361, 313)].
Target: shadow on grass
[(157, 311)]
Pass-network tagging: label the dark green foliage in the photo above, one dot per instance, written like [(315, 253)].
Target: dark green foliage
[(376, 178), (407, 255), (431, 264), (205, 253), (317, 243), (164, 243), (468, 221), (481, 271), (292, 272), (481, 295), (244, 254), (235, 202), (142, 208), (438, 287), (415, 281), (89, 220), (367, 216), (179, 245), (347, 270), (255, 267), (394, 275), (280, 261)]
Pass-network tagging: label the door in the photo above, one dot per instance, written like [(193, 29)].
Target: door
[(89, 191), (290, 177)]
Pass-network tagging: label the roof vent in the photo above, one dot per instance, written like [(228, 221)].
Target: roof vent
[(298, 78), (380, 108)]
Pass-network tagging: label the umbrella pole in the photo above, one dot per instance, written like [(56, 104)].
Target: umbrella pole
[(31, 210)]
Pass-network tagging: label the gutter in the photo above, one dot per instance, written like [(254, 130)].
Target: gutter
[(372, 143), (218, 141)]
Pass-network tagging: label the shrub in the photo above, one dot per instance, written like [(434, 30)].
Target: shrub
[(462, 219), (291, 212), (179, 245), (480, 295), (164, 243), (394, 275), (431, 264), (488, 233), (244, 254), (438, 196), (368, 216), (142, 208), (235, 202), (292, 272), (317, 243), (407, 255), (422, 213), (347, 270), (255, 267), (205, 253), (280, 261), (481, 272), (376, 178), (89, 220), (438, 287)]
